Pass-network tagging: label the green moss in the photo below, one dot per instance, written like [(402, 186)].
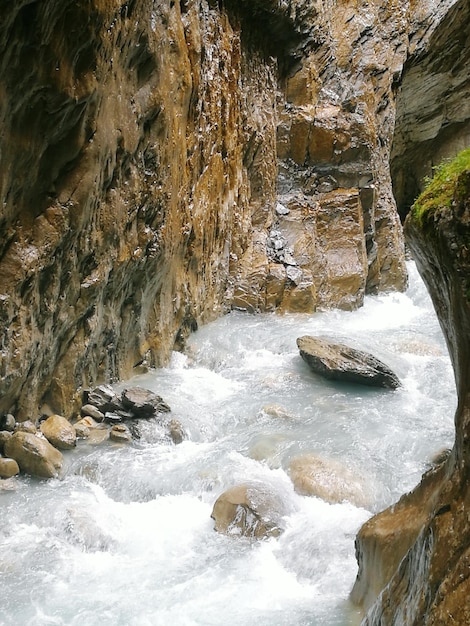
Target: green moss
[(440, 188)]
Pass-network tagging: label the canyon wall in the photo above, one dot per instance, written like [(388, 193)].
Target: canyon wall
[(433, 104), (163, 162), (414, 558)]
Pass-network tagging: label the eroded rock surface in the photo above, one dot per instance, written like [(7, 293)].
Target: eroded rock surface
[(164, 162), (340, 362)]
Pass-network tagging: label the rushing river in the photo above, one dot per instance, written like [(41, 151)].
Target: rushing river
[(125, 538)]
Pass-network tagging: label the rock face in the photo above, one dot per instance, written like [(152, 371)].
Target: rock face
[(433, 110), (163, 162), (416, 554), (34, 455), (339, 362)]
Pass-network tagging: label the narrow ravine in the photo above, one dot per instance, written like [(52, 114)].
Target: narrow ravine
[(125, 538)]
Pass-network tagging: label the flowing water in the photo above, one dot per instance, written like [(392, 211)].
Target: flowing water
[(125, 538)]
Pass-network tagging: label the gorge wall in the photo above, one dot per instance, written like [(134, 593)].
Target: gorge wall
[(414, 558), (162, 162)]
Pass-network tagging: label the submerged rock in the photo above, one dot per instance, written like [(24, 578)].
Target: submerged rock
[(59, 432), (326, 479), (176, 431), (340, 362), (248, 510), (34, 455)]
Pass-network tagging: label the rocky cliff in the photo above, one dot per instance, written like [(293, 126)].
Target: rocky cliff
[(162, 162), (433, 103), (414, 557)]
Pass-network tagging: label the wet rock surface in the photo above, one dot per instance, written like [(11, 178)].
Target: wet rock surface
[(415, 555), (342, 363), (248, 510)]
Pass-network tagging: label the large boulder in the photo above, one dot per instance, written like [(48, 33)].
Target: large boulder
[(59, 432), (34, 455), (337, 361), (249, 510)]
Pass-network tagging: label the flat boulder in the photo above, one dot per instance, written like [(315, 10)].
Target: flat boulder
[(248, 510), (59, 432), (34, 455), (337, 361)]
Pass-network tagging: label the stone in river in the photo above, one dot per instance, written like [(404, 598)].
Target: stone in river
[(34, 455), (340, 362), (8, 468), (92, 411), (120, 433), (59, 432), (143, 403), (248, 510), (327, 479)]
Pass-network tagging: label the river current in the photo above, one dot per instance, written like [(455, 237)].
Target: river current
[(125, 537)]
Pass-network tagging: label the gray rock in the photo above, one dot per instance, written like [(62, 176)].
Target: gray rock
[(340, 362), (143, 403), (92, 411), (26, 427)]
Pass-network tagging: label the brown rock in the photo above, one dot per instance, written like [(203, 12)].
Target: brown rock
[(120, 433), (34, 455), (176, 431), (8, 468), (59, 432), (249, 511), (327, 479)]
